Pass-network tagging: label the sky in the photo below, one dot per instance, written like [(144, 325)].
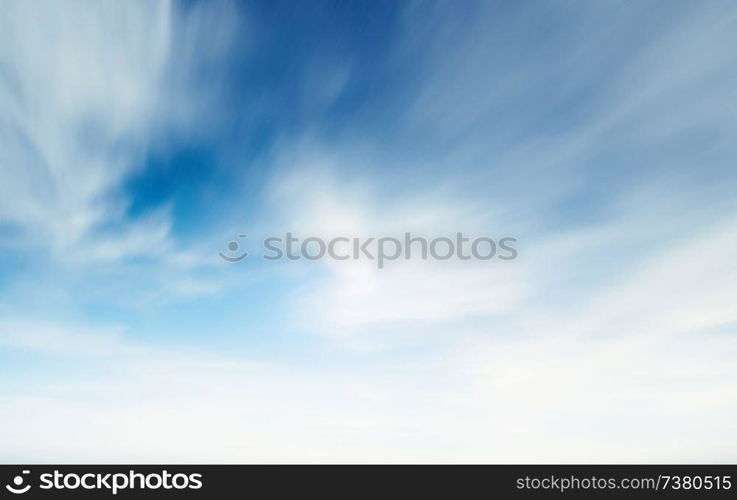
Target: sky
[(139, 138)]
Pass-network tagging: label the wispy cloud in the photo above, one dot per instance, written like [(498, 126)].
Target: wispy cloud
[(601, 136)]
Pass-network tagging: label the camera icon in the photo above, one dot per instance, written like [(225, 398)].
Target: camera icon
[(18, 487)]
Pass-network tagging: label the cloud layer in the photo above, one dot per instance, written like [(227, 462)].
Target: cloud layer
[(138, 138)]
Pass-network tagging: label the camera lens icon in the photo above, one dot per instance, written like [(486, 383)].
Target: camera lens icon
[(18, 487)]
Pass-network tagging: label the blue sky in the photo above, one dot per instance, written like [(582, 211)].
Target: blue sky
[(138, 138)]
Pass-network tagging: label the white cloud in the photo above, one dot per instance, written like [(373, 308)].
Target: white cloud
[(606, 341), (85, 87), (80, 81), (638, 398)]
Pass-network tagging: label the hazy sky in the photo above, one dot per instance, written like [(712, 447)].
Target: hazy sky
[(138, 138)]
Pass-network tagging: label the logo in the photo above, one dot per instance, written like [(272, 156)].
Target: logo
[(117, 481), (381, 250), (233, 247), (18, 482)]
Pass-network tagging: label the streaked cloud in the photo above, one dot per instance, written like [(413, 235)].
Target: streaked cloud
[(138, 138)]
